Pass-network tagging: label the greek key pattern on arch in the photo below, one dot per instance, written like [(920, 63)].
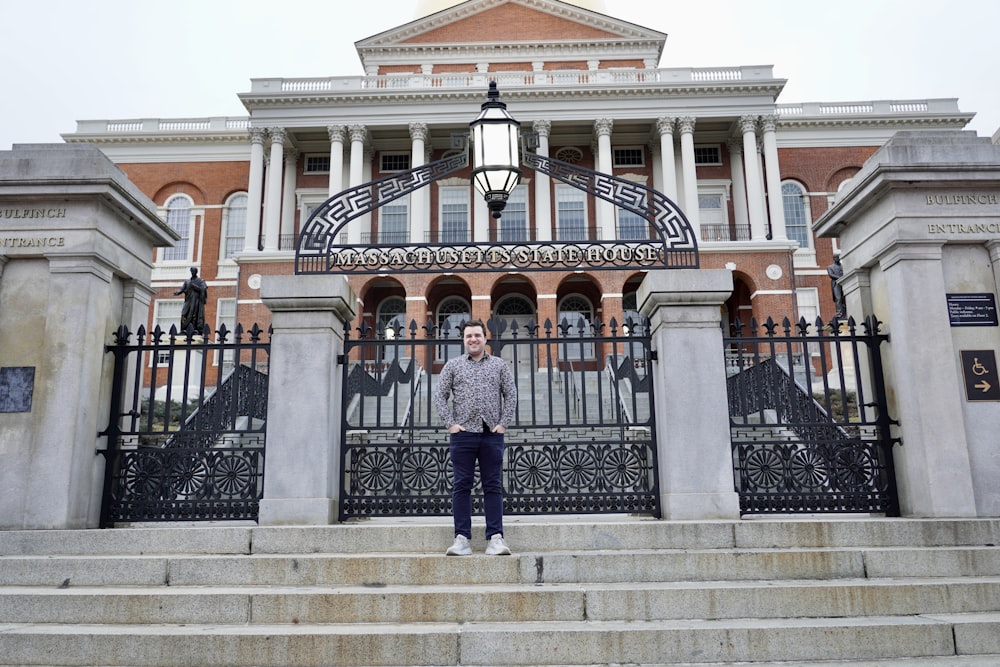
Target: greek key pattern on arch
[(665, 217), (326, 223)]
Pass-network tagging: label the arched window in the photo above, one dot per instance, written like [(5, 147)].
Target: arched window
[(516, 311), (452, 312), (577, 311), (179, 219), (796, 213), (390, 324), (234, 225), (391, 315)]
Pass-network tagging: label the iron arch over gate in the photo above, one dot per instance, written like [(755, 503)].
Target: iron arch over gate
[(582, 440)]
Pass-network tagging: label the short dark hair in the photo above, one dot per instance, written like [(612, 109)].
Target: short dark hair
[(473, 323)]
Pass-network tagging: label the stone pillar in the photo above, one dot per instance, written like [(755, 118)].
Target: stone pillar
[(689, 378), (605, 164), (272, 212), (302, 483), (918, 228), (690, 175), (419, 224), (755, 196), (543, 188), (772, 174), (287, 227), (255, 190), (665, 128), (338, 134), (740, 213), (81, 268), (356, 177)]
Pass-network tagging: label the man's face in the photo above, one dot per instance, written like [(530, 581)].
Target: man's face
[(475, 341)]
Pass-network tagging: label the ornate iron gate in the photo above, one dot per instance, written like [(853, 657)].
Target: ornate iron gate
[(807, 413), (185, 437), (582, 440)]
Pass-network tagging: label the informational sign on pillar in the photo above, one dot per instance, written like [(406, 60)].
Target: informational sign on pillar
[(980, 370)]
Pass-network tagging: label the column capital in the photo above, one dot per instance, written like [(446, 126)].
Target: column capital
[(769, 123), (337, 133), (735, 146), (602, 127), (277, 134), (358, 133), (419, 132), (291, 154), (686, 124), (665, 125), (542, 127), (257, 135), (748, 124)]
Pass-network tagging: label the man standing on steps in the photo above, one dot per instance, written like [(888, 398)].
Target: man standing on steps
[(483, 400)]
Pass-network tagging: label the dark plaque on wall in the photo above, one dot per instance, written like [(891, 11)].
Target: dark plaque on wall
[(972, 310), (17, 383)]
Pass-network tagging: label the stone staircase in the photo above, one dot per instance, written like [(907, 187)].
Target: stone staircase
[(577, 591)]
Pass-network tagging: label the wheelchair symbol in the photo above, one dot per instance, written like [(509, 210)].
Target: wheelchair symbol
[(978, 368)]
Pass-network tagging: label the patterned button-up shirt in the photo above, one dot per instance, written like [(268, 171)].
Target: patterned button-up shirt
[(481, 392)]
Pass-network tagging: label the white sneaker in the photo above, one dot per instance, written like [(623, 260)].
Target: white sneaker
[(461, 547), (497, 546)]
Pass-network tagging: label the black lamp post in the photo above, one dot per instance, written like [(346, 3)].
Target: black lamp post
[(495, 152)]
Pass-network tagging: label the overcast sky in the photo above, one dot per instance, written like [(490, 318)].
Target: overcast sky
[(68, 60)]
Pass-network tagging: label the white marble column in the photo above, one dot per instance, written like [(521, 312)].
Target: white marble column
[(543, 187), (419, 223), (742, 217), (772, 175), (359, 134), (288, 200), (605, 164), (338, 135), (755, 197), (690, 171), (255, 189), (272, 210), (665, 130)]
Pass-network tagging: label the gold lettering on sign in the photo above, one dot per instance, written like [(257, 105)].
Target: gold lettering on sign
[(981, 199)]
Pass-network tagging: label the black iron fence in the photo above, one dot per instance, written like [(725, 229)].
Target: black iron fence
[(808, 418), (582, 440), (185, 435)]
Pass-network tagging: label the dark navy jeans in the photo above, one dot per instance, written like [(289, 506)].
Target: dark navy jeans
[(468, 447)]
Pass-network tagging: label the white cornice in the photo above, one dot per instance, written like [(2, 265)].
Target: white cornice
[(769, 88)]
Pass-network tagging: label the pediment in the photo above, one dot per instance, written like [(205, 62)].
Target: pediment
[(518, 27)]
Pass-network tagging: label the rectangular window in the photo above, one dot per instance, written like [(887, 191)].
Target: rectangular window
[(454, 216), (317, 164), (235, 224), (514, 221), (707, 154), (394, 162), (394, 222), (166, 314), (571, 214), (628, 157), (179, 220), (631, 226)]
